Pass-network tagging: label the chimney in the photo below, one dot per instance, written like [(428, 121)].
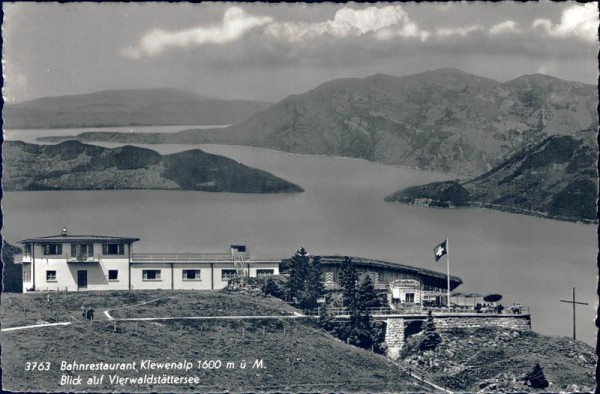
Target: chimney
[(64, 232)]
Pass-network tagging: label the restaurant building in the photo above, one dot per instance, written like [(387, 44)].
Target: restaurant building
[(68, 262)]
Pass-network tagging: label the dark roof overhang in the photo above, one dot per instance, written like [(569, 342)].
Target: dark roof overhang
[(363, 262), (79, 239)]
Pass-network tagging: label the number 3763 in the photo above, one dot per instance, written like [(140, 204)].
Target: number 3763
[(37, 366)]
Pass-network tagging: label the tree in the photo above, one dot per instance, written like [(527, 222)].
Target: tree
[(536, 377), (313, 285), (361, 330), (12, 277), (430, 339), (297, 268), (361, 321), (367, 296), (304, 284), (349, 282)]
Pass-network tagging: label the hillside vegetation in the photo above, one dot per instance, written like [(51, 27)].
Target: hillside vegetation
[(12, 276), (72, 165), (296, 356), (557, 178), (497, 360), (444, 120), (127, 108)]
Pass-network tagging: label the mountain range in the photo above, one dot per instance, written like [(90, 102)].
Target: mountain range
[(443, 120), (72, 165), (161, 106)]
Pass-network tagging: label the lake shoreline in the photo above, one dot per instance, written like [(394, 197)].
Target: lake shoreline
[(501, 208)]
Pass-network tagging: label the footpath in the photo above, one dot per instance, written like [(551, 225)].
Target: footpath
[(106, 316)]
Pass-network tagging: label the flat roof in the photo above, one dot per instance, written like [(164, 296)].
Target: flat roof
[(360, 261), (79, 238)]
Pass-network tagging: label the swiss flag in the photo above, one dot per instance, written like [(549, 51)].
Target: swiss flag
[(440, 250)]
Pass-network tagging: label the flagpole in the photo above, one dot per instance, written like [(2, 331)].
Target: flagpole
[(448, 267)]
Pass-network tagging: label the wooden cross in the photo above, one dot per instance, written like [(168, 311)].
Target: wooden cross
[(574, 302)]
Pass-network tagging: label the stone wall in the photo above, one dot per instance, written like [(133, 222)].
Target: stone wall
[(513, 322), (395, 336)]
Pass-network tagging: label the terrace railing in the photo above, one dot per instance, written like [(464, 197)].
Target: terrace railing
[(182, 257), (82, 258), (416, 310)]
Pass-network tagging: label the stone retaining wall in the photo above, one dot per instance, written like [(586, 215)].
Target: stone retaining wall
[(395, 336), (513, 322)]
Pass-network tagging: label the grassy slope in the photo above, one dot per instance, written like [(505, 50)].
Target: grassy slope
[(297, 356), (72, 165)]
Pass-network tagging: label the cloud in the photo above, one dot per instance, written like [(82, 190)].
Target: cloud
[(357, 29), (444, 32), (580, 21), (236, 23), (505, 27), (385, 22)]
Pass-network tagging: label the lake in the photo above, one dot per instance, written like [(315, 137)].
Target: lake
[(533, 261)]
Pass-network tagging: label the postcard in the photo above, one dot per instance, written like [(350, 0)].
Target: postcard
[(295, 197)]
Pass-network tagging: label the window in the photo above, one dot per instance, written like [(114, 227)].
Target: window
[(113, 274), (151, 274), (228, 274), (191, 274), (113, 249), (264, 272), (409, 298), (50, 276), (27, 249), (52, 249), (27, 276), (82, 250)]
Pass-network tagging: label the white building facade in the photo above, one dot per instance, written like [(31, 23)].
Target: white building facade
[(87, 262)]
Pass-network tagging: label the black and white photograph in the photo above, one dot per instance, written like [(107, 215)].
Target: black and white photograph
[(299, 197)]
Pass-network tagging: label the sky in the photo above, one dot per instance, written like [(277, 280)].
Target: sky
[(269, 51)]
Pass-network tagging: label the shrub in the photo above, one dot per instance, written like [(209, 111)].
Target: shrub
[(536, 377), (270, 287)]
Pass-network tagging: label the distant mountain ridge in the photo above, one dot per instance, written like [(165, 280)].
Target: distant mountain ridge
[(72, 165), (158, 106), (443, 120), (557, 178)]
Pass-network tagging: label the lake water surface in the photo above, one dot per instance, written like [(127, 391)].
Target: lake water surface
[(533, 261)]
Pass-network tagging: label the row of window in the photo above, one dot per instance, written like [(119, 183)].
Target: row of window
[(226, 274), (51, 275), (81, 250), (155, 274)]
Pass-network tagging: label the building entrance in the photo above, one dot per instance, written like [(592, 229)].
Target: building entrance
[(82, 279)]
